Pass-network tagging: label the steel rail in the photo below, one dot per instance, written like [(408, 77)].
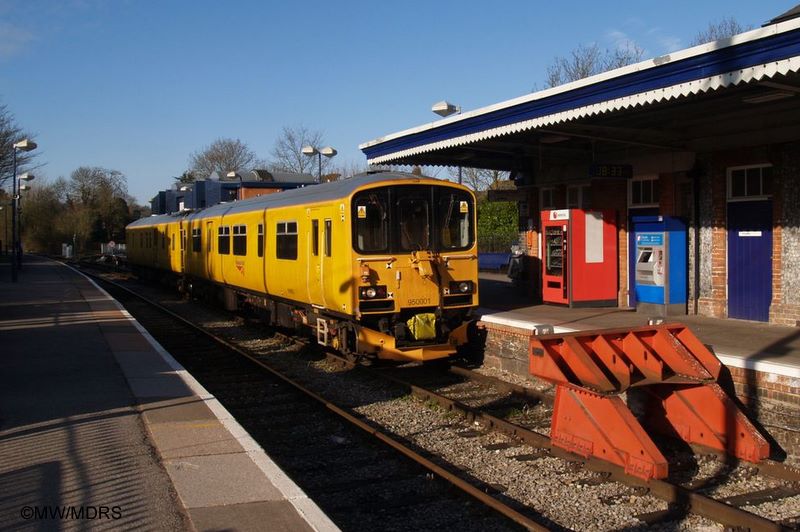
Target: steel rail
[(439, 471), (671, 493)]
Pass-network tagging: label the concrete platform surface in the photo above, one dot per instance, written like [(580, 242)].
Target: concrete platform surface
[(101, 428), (738, 343)]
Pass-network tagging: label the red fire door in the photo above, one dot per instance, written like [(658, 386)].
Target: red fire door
[(579, 257)]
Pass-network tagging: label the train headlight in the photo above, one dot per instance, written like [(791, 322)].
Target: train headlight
[(372, 292), (462, 287)]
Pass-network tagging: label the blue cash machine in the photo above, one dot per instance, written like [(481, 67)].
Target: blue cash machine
[(661, 265)]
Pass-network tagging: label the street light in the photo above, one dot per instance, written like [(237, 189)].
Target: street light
[(327, 151), (16, 257), (445, 109)]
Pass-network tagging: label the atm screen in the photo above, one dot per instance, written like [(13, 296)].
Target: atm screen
[(644, 256)]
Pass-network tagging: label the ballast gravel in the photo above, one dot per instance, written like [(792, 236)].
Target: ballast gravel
[(556, 489)]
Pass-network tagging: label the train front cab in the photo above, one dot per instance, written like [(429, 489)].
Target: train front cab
[(415, 268)]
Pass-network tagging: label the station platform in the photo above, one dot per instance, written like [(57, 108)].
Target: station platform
[(761, 361), (100, 427), (742, 344)]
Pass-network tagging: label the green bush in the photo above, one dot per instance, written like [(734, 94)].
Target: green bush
[(497, 226)]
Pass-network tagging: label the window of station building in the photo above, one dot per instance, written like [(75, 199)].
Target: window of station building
[(752, 182), (579, 197), (547, 198), (643, 192), (286, 240), (315, 237), (260, 240), (240, 240), (196, 240), (224, 240), (328, 238)]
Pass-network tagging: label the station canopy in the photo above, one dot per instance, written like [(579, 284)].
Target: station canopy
[(739, 91)]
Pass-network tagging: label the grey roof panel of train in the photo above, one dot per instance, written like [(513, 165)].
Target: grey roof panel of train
[(313, 193)]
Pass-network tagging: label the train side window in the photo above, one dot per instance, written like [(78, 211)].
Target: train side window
[(260, 240), (240, 240), (455, 211), (286, 240), (224, 240), (315, 237), (196, 240), (328, 238)]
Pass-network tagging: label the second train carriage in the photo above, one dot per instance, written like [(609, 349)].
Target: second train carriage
[(381, 264)]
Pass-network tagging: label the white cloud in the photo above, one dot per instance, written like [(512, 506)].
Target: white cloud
[(670, 42), (12, 40)]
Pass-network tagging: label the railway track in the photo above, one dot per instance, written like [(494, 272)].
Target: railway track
[(361, 476), (528, 411), (682, 499)]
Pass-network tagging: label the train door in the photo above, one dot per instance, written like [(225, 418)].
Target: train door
[(327, 269), (209, 250), (314, 271), (183, 247)]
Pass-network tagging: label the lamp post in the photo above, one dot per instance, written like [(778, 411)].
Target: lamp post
[(20, 189), (16, 257), (445, 109), (5, 227), (327, 151)]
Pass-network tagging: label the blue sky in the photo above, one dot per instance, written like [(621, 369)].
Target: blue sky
[(137, 86)]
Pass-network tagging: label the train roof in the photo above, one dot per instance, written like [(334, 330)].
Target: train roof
[(312, 193)]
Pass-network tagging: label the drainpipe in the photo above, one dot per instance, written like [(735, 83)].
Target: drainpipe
[(696, 193)]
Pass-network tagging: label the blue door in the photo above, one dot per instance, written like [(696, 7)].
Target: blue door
[(749, 260)]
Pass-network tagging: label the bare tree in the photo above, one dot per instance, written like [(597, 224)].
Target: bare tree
[(479, 179), (588, 60), (288, 156), (11, 133), (222, 156), (727, 27), (347, 169)]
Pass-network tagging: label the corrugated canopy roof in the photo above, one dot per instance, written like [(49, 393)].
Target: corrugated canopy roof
[(622, 105)]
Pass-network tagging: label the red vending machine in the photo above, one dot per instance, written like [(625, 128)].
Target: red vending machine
[(579, 257)]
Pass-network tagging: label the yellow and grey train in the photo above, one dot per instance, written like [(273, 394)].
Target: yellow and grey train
[(378, 265)]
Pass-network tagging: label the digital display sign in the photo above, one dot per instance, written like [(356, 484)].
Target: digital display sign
[(611, 171)]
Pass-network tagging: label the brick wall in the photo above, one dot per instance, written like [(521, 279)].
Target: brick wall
[(785, 306), (613, 194)]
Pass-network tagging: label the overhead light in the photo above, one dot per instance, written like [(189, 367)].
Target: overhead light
[(445, 108), (25, 145), (768, 97), (309, 150), (327, 151)]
